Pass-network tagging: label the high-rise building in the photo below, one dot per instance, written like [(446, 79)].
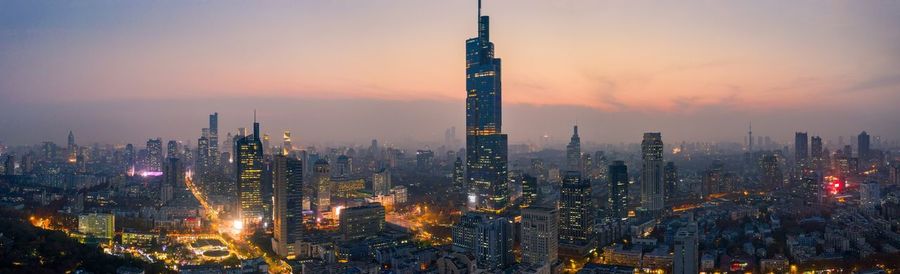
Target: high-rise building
[(816, 152), (287, 208), (617, 203), (98, 225), (529, 190), (750, 137), (576, 211), (129, 159), (71, 148), (10, 165), (771, 172), (459, 175), (670, 177), (154, 155), (487, 236), (213, 140), (321, 187), (173, 180), (652, 188), (381, 182), (286, 146), (424, 160), (486, 145), (862, 145), (801, 148), (172, 149), (203, 166), (869, 195), (686, 259), (361, 221), (343, 167), (249, 168), (573, 152), (540, 235)]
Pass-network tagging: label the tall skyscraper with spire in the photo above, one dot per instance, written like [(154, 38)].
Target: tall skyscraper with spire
[(750, 137), (652, 188), (249, 168), (486, 146), (573, 152)]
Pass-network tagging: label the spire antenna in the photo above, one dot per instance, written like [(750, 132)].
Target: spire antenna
[(479, 9), (254, 115)]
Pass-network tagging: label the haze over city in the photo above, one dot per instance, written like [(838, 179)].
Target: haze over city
[(695, 70)]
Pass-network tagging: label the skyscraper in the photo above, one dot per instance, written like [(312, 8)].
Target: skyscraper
[(321, 187), (816, 152), (573, 152), (459, 175), (862, 145), (540, 235), (670, 176), (287, 208), (652, 189), (286, 146), (248, 166), (173, 180), (750, 137), (486, 145), (618, 190), (154, 155), (801, 148), (576, 212), (172, 149), (529, 190), (214, 139)]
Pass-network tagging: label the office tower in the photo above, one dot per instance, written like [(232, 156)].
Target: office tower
[(771, 172), (687, 257), (154, 155), (670, 177), (172, 149), (321, 187), (10, 165), (529, 190), (286, 146), (343, 166), (381, 182), (362, 221), (213, 140), (97, 224), (71, 141), (459, 175), (862, 145), (801, 148), (540, 235), (287, 208), (576, 211), (869, 195), (424, 160), (617, 203), (487, 236), (816, 152), (573, 152), (486, 145), (652, 188), (173, 180), (129, 159), (203, 166), (249, 167), (267, 147), (26, 166)]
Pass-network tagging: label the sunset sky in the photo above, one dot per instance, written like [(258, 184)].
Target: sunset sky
[(349, 71)]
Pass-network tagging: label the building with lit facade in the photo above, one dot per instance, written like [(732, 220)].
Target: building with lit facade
[(287, 207), (576, 212), (248, 168), (801, 148), (486, 145), (98, 225), (361, 221), (573, 152), (617, 201), (321, 187), (154, 155), (540, 235), (653, 190)]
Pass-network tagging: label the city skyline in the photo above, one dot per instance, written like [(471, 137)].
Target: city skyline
[(613, 71)]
